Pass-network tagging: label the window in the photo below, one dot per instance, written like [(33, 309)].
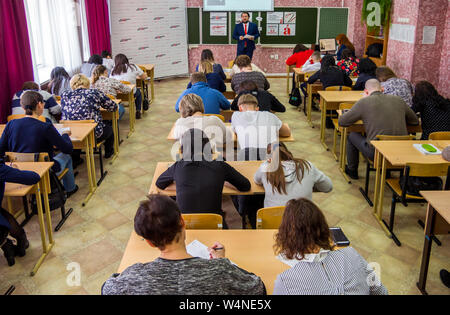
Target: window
[(58, 35)]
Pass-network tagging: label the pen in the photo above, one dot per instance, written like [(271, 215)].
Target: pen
[(218, 248)]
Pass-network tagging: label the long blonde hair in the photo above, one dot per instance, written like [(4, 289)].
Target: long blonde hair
[(97, 73), (205, 67)]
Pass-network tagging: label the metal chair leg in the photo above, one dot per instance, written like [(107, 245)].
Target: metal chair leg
[(391, 221), (64, 216), (365, 191), (102, 172), (10, 290)]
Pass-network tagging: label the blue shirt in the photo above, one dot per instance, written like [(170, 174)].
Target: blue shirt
[(214, 82), (213, 100), (12, 175), (29, 135)]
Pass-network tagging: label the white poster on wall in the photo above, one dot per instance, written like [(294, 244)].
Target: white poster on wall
[(429, 35), (290, 17), (287, 30), (151, 32), (403, 33), (272, 30), (275, 17), (218, 23)]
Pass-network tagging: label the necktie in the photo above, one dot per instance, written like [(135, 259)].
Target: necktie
[(245, 30)]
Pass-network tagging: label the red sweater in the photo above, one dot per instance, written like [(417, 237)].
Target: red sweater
[(300, 58)]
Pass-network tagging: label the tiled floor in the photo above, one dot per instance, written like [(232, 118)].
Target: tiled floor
[(96, 236)]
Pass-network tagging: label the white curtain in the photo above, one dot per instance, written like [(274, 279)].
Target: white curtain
[(55, 41)]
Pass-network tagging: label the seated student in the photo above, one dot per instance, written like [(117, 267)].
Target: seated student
[(30, 135), (330, 74), (88, 67), (382, 115), (192, 110), (244, 64), (348, 63), (124, 71), (304, 236), (199, 179), (374, 50), (255, 130), (51, 107), (300, 56), (159, 221), (434, 109), (285, 177), (108, 62), (367, 70), (207, 56), (446, 153), (266, 101), (213, 100), (394, 86), (213, 79), (83, 103), (312, 65), (343, 43), (108, 86), (8, 224), (59, 81), (235, 69)]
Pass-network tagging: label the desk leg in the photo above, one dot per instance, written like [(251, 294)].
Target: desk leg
[(132, 107), (152, 83), (90, 165), (323, 106), (431, 216), (343, 154), (309, 109), (380, 181), (115, 125), (40, 214)]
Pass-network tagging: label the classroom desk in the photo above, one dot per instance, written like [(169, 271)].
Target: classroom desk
[(330, 100), (359, 128), (251, 250), (43, 187), (171, 137), (131, 105), (398, 154), (83, 138), (149, 69), (246, 168), (437, 222), (311, 89)]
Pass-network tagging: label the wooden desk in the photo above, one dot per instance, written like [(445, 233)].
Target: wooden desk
[(171, 136), (251, 250), (438, 222), (131, 105), (43, 187), (149, 69), (398, 153), (83, 138), (246, 168), (310, 90), (330, 100)]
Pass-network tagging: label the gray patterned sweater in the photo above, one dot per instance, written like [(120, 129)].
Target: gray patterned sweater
[(194, 276)]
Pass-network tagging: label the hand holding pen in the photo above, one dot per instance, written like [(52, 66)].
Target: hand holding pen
[(217, 251)]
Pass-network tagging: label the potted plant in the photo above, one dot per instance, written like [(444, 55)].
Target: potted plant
[(385, 10)]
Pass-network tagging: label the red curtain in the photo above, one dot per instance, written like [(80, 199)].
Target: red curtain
[(15, 53), (97, 14)]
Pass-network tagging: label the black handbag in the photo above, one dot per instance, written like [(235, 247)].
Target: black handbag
[(416, 184), (295, 98)]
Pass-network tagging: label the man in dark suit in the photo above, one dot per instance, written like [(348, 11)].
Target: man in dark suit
[(245, 33)]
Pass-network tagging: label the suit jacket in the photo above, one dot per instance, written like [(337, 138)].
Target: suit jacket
[(252, 31)]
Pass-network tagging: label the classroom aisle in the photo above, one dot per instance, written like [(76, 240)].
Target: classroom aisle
[(96, 236)]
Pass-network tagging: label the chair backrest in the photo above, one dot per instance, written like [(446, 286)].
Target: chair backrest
[(308, 75), (344, 106), (203, 221), (230, 64), (90, 121), (13, 117), (57, 98), (269, 218), (338, 88), (440, 135), (395, 138), (217, 115), (125, 82), (428, 170), (27, 157), (229, 95)]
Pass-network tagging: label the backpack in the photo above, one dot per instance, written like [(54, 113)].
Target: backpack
[(56, 199), (416, 184), (295, 98)]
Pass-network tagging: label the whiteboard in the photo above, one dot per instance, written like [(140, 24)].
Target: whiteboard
[(151, 32), (237, 5)]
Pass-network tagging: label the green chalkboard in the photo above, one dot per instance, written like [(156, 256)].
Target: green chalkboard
[(206, 37), (305, 27), (253, 16), (193, 17), (333, 21)]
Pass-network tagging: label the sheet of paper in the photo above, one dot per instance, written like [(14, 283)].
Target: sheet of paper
[(403, 33), (429, 35), (198, 249), (275, 17), (218, 24)]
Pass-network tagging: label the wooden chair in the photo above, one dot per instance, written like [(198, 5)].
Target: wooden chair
[(400, 195), (269, 218), (97, 149), (41, 157), (230, 64), (203, 221), (221, 117), (338, 88), (13, 117), (370, 166), (229, 95), (337, 129), (440, 135), (289, 71)]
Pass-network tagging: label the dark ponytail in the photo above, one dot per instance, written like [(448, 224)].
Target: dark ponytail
[(29, 101)]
